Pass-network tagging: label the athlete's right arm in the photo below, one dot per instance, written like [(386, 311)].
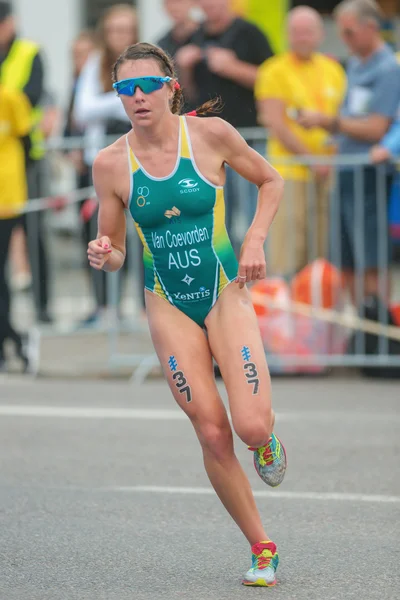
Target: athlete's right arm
[(108, 251)]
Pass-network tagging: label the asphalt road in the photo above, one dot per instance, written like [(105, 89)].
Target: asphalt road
[(103, 495)]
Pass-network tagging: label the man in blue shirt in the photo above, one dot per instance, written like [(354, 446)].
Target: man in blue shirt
[(389, 146), (370, 106)]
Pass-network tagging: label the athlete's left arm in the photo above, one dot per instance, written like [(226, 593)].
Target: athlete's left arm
[(252, 166), (255, 168)]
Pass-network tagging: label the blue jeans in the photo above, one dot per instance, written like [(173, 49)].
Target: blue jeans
[(363, 236)]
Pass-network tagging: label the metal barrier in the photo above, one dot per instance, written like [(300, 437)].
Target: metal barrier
[(328, 327), (342, 218)]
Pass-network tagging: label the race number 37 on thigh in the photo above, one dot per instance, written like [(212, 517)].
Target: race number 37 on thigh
[(250, 370), (179, 379)]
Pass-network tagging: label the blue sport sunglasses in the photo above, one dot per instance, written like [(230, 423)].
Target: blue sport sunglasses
[(127, 87)]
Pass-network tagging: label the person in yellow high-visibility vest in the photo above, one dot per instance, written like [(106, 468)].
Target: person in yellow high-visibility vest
[(15, 126), (22, 69)]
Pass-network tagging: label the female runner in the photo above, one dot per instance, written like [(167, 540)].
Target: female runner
[(197, 303)]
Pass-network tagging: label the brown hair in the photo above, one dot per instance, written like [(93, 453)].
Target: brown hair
[(107, 57), (144, 50)]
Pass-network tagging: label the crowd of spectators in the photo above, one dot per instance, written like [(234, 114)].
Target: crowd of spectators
[(309, 103)]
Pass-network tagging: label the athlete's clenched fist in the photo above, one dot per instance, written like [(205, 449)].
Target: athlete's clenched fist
[(252, 265), (98, 252)]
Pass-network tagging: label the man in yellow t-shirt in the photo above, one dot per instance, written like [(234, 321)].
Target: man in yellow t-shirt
[(15, 126), (299, 79)]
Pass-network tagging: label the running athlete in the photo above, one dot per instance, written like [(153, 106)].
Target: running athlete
[(168, 173)]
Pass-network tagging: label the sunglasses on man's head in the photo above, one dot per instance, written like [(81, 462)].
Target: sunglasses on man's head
[(127, 87)]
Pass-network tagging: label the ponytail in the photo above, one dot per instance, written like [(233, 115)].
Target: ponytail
[(211, 106)]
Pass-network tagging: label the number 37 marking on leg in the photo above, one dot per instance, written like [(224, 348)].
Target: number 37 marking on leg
[(181, 384), (252, 376)]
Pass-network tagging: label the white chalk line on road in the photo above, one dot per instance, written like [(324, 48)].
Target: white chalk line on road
[(144, 490), (277, 494), (80, 412), (159, 414)]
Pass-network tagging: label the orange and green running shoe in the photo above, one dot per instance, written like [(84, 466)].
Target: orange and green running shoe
[(264, 566), (270, 461)]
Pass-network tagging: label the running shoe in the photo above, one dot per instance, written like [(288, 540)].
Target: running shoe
[(270, 461), (264, 565)]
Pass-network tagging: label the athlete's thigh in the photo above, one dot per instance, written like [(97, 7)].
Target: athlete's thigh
[(236, 344), (185, 356)]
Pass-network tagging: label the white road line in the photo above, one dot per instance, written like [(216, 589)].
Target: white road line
[(208, 491), (278, 494), (77, 412), (175, 414), (159, 414)]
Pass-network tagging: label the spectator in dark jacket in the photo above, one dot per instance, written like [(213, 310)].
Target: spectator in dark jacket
[(222, 60), (183, 26)]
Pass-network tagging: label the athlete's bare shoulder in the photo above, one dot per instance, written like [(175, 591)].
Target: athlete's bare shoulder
[(218, 134), (211, 127), (109, 158)]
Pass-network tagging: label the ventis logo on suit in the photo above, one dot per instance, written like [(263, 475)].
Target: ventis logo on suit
[(188, 186)]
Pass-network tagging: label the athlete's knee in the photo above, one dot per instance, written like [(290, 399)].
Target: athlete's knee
[(216, 439), (254, 432)]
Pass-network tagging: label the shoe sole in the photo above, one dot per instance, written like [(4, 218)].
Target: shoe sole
[(286, 464), (258, 583)]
